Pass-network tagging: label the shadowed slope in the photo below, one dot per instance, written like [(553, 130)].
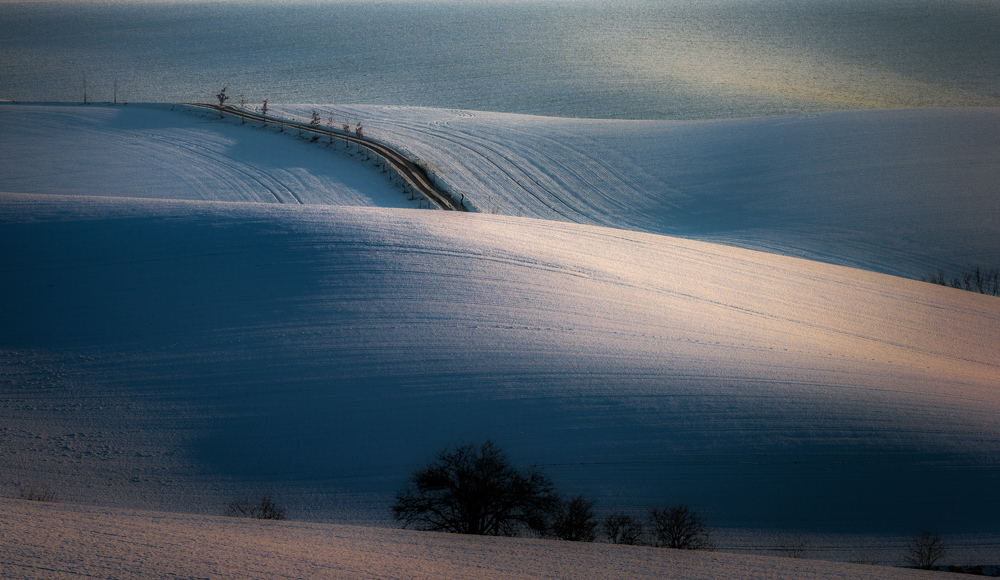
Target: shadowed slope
[(172, 355)]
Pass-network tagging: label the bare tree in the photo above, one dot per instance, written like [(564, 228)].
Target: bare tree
[(574, 521), (679, 527), (359, 131), (476, 490), (329, 125), (243, 106), (314, 121), (346, 126), (792, 546), (223, 97), (621, 528), (263, 112), (260, 509), (925, 550)]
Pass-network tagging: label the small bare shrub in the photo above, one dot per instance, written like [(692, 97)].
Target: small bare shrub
[(621, 528), (261, 509), (32, 493)]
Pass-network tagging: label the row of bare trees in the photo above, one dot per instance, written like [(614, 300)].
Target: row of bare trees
[(314, 121), (975, 279), (477, 490)]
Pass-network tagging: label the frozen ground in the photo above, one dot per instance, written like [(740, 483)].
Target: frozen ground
[(904, 192), (172, 354), (64, 541), (158, 151)]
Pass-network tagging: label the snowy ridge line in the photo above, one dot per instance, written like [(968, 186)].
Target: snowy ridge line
[(514, 166), (408, 170)]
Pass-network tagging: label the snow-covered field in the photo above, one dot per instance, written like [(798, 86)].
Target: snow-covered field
[(156, 151), (67, 541), (903, 192), (171, 354)]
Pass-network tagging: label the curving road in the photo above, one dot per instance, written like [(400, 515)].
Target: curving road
[(407, 170)]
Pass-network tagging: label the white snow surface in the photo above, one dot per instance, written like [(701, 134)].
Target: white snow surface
[(168, 354), (171, 354), (176, 152), (65, 541), (905, 192)]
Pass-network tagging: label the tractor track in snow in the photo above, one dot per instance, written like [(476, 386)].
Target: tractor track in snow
[(409, 171)]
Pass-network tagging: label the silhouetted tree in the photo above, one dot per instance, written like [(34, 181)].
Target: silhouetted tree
[(679, 527), (314, 121), (925, 550), (223, 97), (574, 521), (263, 112), (475, 490), (621, 528), (261, 509)]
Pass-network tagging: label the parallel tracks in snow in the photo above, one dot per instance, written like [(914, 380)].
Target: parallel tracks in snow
[(409, 171)]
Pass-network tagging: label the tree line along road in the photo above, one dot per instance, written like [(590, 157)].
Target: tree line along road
[(409, 171)]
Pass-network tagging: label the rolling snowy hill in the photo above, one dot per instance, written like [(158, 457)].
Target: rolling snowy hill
[(170, 354), (904, 192)]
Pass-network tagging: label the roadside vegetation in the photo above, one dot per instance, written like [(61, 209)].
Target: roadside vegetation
[(975, 279)]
